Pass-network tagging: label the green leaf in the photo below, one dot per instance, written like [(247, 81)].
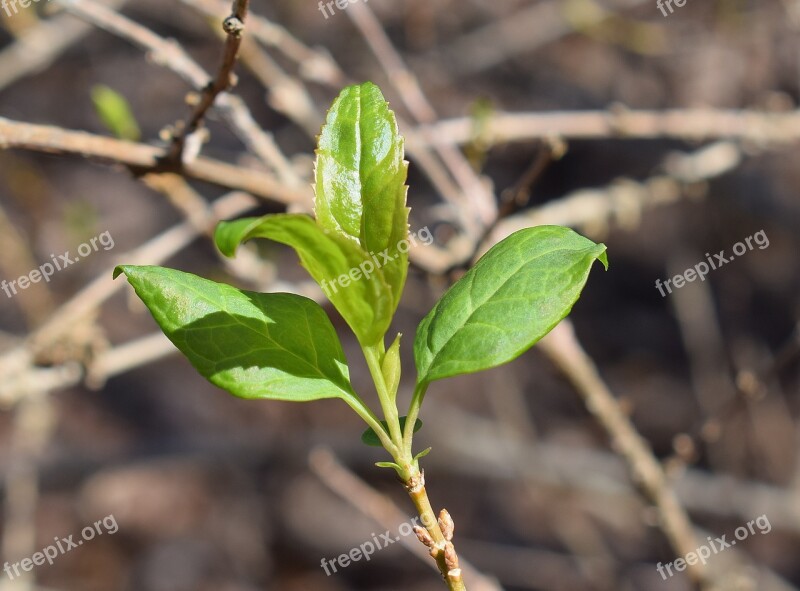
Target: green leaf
[(423, 453), (390, 367), (388, 465), (351, 279), (254, 345), (115, 113), (360, 179), (513, 296), (369, 437)]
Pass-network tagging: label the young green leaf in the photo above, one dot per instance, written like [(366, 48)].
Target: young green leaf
[(369, 437), (513, 296), (348, 276), (391, 367), (360, 179), (115, 113), (279, 346)]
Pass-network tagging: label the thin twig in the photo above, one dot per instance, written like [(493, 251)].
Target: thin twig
[(594, 210), (523, 31), (38, 47), (479, 199), (681, 124), (17, 365), (169, 54), (564, 350), (314, 64), (225, 79), (382, 510), (142, 158)]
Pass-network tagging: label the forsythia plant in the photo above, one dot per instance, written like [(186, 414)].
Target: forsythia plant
[(283, 346)]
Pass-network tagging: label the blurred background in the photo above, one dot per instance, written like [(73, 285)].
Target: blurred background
[(665, 137)]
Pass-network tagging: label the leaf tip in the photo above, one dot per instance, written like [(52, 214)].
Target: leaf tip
[(119, 270), (222, 239), (603, 256), (422, 454)]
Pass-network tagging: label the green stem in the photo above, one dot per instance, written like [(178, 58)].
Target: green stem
[(373, 356), (411, 419), (373, 421)]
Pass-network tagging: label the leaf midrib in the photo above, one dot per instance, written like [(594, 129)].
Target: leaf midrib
[(279, 346), (476, 308)]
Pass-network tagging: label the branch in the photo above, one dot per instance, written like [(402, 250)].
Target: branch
[(225, 79), (17, 364), (680, 124), (314, 64), (476, 196), (562, 347), (142, 158), (169, 54), (39, 46), (381, 510)]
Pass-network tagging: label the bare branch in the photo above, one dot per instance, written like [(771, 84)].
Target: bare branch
[(564, 350), (142, 158), (688, 125), (225, 79)]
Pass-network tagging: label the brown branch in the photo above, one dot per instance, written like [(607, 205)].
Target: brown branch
[(17, 365), (169, 54), (225, 79), (164, 52), (564, 350), (382, 510), (623, 202), (476, 196), (39, 46), (688, 125), (142, 158), (314, 64)]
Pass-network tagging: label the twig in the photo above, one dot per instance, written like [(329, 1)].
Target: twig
[(514, 198), (287, 94), (16, 365), (564, 350), (169, 54), (16, 259), (470, 445), (477, 196), (289, 97), (623, 202), (225, 79), (521, 32), (381, 510), (142, 158), (123, 358), (314, 64), (39, 46), (681, 124), (34, 423), (247, 266)]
